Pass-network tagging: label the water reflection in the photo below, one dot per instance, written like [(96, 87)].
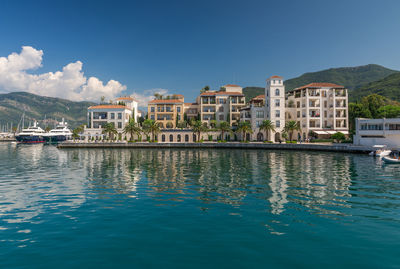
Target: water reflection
[(35, 178), (315, 181)]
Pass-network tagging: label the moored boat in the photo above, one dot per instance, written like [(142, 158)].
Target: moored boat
[(59, 134), (380, 151), (30, 135)]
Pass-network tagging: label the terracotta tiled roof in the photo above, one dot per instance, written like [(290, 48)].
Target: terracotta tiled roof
[(128, 98), (108, 107), (262, 96), (320, 85), (221, 93), (231, 85), (164, 101), (276, 77)]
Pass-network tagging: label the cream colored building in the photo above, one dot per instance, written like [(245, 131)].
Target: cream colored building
[(275, 106), (255, 114), (167, 112), (221, 105), (320, 108)]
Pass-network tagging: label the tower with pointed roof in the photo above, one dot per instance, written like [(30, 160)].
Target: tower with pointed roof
[(275, 106)]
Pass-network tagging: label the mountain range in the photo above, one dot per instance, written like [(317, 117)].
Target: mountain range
[(360, 80), (47, 110)]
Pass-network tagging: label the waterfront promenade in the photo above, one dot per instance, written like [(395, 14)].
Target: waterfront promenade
[(348, 148)]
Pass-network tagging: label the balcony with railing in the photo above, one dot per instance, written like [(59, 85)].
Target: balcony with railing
[(340, 104), (313, 93), (314, 124), (314, 113), (341, 124), (314, 104), (340, 93), (209, 109)]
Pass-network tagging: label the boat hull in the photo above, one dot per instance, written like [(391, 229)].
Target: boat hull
[(390, 160), (55, 138), (30, 139)]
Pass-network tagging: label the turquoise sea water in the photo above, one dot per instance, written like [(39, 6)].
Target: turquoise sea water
[(105, 208)]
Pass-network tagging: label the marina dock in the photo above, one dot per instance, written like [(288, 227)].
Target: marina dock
[(348, 148)]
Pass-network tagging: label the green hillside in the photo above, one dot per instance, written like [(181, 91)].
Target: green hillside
[(356, 79), (251, 92), (388, 87), (38, 108), (350, 77)]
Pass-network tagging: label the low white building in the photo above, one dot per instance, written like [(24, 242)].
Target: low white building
[(371, 132), (119, 112)]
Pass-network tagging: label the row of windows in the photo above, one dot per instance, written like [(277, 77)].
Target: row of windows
[(119, 115), (167, 109)]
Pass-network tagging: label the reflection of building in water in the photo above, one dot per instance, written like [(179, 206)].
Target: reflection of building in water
[(28, 167), (277, 183), (323, 179), (108, 169)]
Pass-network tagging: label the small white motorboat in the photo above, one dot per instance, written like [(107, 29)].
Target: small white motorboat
[(380, 151), (388, 159)]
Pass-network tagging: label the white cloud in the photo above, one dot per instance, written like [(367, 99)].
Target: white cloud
[(148, 95), (70, 83)]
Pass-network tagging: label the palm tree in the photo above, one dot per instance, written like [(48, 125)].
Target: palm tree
[(224, 127), (109, 129), (244, 127), (213, 123), (267, 126), (292, 126), (151, 127), (132, 128), (198, 128), (77, 131)]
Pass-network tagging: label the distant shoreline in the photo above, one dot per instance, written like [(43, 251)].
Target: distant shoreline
[(348, 148)]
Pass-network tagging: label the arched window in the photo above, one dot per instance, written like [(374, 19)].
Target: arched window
[(194, 138), (163, 138), (179, 138), (186, 138), (277, 92), (171, 138)]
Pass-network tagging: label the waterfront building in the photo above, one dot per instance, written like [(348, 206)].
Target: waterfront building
[(254, 113), (371, 132), (191, 111), (118, 112), (221, 105), (320, 108), (167, 112), (275, 106)]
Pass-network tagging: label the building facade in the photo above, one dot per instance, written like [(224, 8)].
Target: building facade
[(221, 105), (275, 106), (255, 113), (167, 112), (371, 132), (119, 112), (320, 108)]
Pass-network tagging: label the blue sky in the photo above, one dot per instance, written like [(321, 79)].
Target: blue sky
[(182, 46)]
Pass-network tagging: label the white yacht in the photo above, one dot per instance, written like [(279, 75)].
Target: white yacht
[(32, 134), (58, 134)]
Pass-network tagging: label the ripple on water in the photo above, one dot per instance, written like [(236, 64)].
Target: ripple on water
[(253, 205)]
